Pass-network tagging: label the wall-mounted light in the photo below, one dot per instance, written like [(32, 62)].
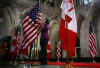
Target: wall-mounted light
[(85, 2)]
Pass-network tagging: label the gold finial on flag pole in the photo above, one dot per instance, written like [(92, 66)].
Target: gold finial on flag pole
[(94, 61)]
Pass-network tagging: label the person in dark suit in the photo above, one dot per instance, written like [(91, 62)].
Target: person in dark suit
[(44, 42)]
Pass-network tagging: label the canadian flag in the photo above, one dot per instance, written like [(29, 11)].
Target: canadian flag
[(48, 50), (68, 27)]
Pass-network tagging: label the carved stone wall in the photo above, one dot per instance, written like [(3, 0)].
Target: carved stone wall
[(17, 9), (90, 13)]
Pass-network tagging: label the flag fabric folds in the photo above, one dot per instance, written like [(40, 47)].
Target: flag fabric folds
[(92, 41), (15, 44), (68, 27), (18, 41), (48, 50), (58, 49), (30, 27), (24, 51)]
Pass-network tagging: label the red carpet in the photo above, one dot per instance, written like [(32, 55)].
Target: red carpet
[(49, 63), (73, 64), (76, 64)]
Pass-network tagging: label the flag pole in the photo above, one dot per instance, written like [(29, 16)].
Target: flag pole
[(67, 57), (94, 60), (37, 41), (39, 1), (95, 39)]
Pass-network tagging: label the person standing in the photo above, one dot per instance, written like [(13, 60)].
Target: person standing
[(43, 42)]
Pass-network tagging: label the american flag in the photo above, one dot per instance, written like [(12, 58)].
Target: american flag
[(18, 37), (30, 27), (15, 43), (92, 42), (59, 49)]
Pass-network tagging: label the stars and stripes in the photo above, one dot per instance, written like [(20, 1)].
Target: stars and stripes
[(13, 46), (30, 27), (18, 41), (15, 43), (92, 42), (18, 38), (59, 49)]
